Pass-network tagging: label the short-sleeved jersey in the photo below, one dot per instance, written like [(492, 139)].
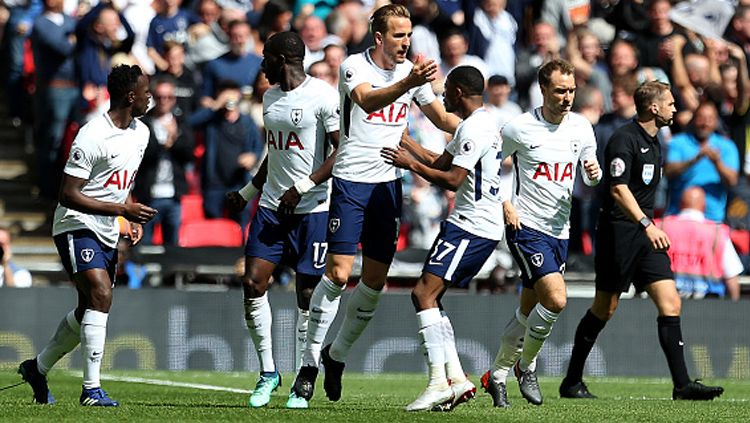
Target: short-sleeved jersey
[(296, 124), (476, 148), (545, 161), (632, 157), (108, 158), (363, 134)]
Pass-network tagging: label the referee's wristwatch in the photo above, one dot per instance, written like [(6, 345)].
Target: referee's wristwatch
[(645, 222)]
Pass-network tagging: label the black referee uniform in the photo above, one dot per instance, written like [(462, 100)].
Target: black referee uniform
[(624, 253)]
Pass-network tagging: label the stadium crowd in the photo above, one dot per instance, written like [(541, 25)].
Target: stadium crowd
[(204, 58)]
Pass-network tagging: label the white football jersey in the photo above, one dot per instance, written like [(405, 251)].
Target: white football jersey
[(363, 135), (545, 158), (296, 123), (476, 147), (108, 157)]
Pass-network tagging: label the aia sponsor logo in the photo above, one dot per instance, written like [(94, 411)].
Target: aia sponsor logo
[(394, 114), (557, 172)]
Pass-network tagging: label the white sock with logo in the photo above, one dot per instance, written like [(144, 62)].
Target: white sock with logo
[(259, 321), (359, 311), (300, 338), (66, 338), (431, 334), (324, 305), (93, 334), (453, 366), (539, 326), (511, 345)]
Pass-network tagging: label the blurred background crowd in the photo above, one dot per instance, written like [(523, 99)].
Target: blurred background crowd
[(204, 59)]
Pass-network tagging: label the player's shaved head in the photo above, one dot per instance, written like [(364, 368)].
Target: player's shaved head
[(468, 78), (121, 81), (289, 44)]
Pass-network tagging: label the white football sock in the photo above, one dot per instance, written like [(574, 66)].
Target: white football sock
[(65, 339), (359, 311), (259, 321), (300, 338), (452, 362), (540, 322), (324, 304), (93, 334), (431, 334), (511, 345)]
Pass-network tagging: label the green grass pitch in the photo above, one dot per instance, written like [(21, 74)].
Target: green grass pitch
[(367, 398)]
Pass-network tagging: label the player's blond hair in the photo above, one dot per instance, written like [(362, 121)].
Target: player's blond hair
[(379, 20)]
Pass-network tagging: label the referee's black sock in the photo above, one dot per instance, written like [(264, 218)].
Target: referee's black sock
[(670, 338), (586, 334)]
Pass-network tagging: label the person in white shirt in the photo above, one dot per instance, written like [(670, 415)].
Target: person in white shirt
[(96, 185), (376, 88), (300, 116), (470, 166), (547, 144)]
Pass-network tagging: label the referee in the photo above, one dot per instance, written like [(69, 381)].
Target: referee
[(630, 248)]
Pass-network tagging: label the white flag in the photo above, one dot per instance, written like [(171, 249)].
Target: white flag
[(705, 17)]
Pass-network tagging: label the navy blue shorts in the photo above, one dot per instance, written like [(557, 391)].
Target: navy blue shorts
[(366, 213), (81, 250), (536, 253), (297, 240), (457, 256)]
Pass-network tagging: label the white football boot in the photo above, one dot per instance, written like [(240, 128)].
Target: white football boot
[(432, 398)]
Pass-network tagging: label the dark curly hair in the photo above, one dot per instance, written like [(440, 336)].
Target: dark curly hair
[(468, 78), (121, 81), (287, 43)]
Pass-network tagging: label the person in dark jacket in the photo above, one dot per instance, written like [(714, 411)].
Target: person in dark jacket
[(161, 180)]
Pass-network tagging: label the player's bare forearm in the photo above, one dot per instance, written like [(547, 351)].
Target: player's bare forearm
[(626, 201), (420, 153), (450, 179), (373, 99), (324, 172), (260, 177), (435, 111), (72, 198)]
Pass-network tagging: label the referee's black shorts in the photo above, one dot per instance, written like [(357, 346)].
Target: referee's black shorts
[(624, 255)]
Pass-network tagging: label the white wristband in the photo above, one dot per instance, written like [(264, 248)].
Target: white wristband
[(249, 191), (304, 185)]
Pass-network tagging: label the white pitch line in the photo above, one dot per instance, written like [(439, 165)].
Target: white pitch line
[(161, 382)]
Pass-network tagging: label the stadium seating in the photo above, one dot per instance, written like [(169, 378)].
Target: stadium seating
[(211, 233)]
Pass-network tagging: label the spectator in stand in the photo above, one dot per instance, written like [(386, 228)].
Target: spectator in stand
[(23, 13), (208, 38), (170, 24), (585, 53), (334, 55), (53, 42), (313, 32), (694, 74), (565, 16), (139, 14), (427, 19), (544, 47), (701, 157), (623, 111), (655, 44), (186, 89), (98, 39), (161, 183), (498, 100), (736, 99), (239, 65), (492, 36), (11, 275), (453, 52), (359, 37), (276, 17), (233, 145), (318, 8), (321, 70), (424, 208), (703, 258), (738, 30)]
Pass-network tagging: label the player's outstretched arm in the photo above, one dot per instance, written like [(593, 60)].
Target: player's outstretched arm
[(72, 198), (448, 176), (626, 201), (420, 153), (371, 99), (436, 113), (291, 198)]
